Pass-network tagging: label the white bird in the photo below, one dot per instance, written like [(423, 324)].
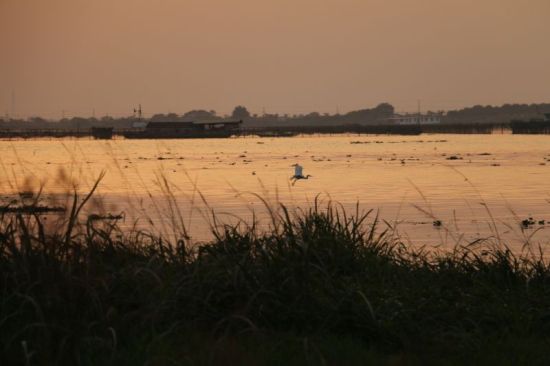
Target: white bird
[(298, 173)]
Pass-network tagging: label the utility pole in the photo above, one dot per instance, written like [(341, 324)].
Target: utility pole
[(418, 105), (138, 110), (13, 103)]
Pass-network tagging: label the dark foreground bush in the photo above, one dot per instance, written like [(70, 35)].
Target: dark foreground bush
[(319, 287)]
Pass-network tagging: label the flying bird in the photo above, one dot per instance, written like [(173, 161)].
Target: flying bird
[(298, 173)]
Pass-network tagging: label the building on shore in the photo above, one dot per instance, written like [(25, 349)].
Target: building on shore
[(139, 124), (102, 133), (185, 130), (415, 119)]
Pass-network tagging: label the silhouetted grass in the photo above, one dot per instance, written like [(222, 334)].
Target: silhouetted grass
[(320, 286)]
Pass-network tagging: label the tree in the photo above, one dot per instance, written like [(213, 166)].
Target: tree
[(378, 114), (200, 115), (37, 120), (170, 117), (240, 112)]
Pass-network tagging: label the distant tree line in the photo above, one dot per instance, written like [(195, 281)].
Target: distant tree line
[(501, 114), (74, 123), (376, 115), (368, 116)]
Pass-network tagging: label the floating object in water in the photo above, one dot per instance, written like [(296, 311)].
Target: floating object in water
[(527, 223), (26, 194), (31, 209), (96, 217)]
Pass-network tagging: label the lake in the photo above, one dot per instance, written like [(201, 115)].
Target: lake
[(477, 185)]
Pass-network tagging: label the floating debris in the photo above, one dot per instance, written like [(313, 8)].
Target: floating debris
[(395, 142), (31, 209), (96, 217), (26, 194), (527, 223)]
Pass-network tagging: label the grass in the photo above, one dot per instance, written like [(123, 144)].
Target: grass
[(320, 286)]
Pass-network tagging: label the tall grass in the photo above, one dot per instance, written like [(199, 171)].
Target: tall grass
[(86, 292)]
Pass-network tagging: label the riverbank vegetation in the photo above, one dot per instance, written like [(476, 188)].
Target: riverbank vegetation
[(321, 286), (475, 115)]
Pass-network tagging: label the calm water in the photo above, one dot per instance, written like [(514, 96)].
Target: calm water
[(411, 180)]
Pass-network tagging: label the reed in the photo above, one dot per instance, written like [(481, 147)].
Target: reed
[(318, 286)]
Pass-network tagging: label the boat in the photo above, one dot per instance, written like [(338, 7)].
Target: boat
[(102, 133), (184, 130)]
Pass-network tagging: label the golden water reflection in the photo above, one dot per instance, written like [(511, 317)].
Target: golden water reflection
[(477, 185)]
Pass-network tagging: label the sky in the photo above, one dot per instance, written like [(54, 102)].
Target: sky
[(104, 57)]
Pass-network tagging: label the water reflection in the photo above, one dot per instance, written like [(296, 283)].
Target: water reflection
[(475, 185)]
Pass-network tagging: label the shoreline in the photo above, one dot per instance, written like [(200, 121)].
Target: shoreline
[(321, 276)]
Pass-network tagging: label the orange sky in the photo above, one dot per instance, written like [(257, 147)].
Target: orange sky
[(289, 56)]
